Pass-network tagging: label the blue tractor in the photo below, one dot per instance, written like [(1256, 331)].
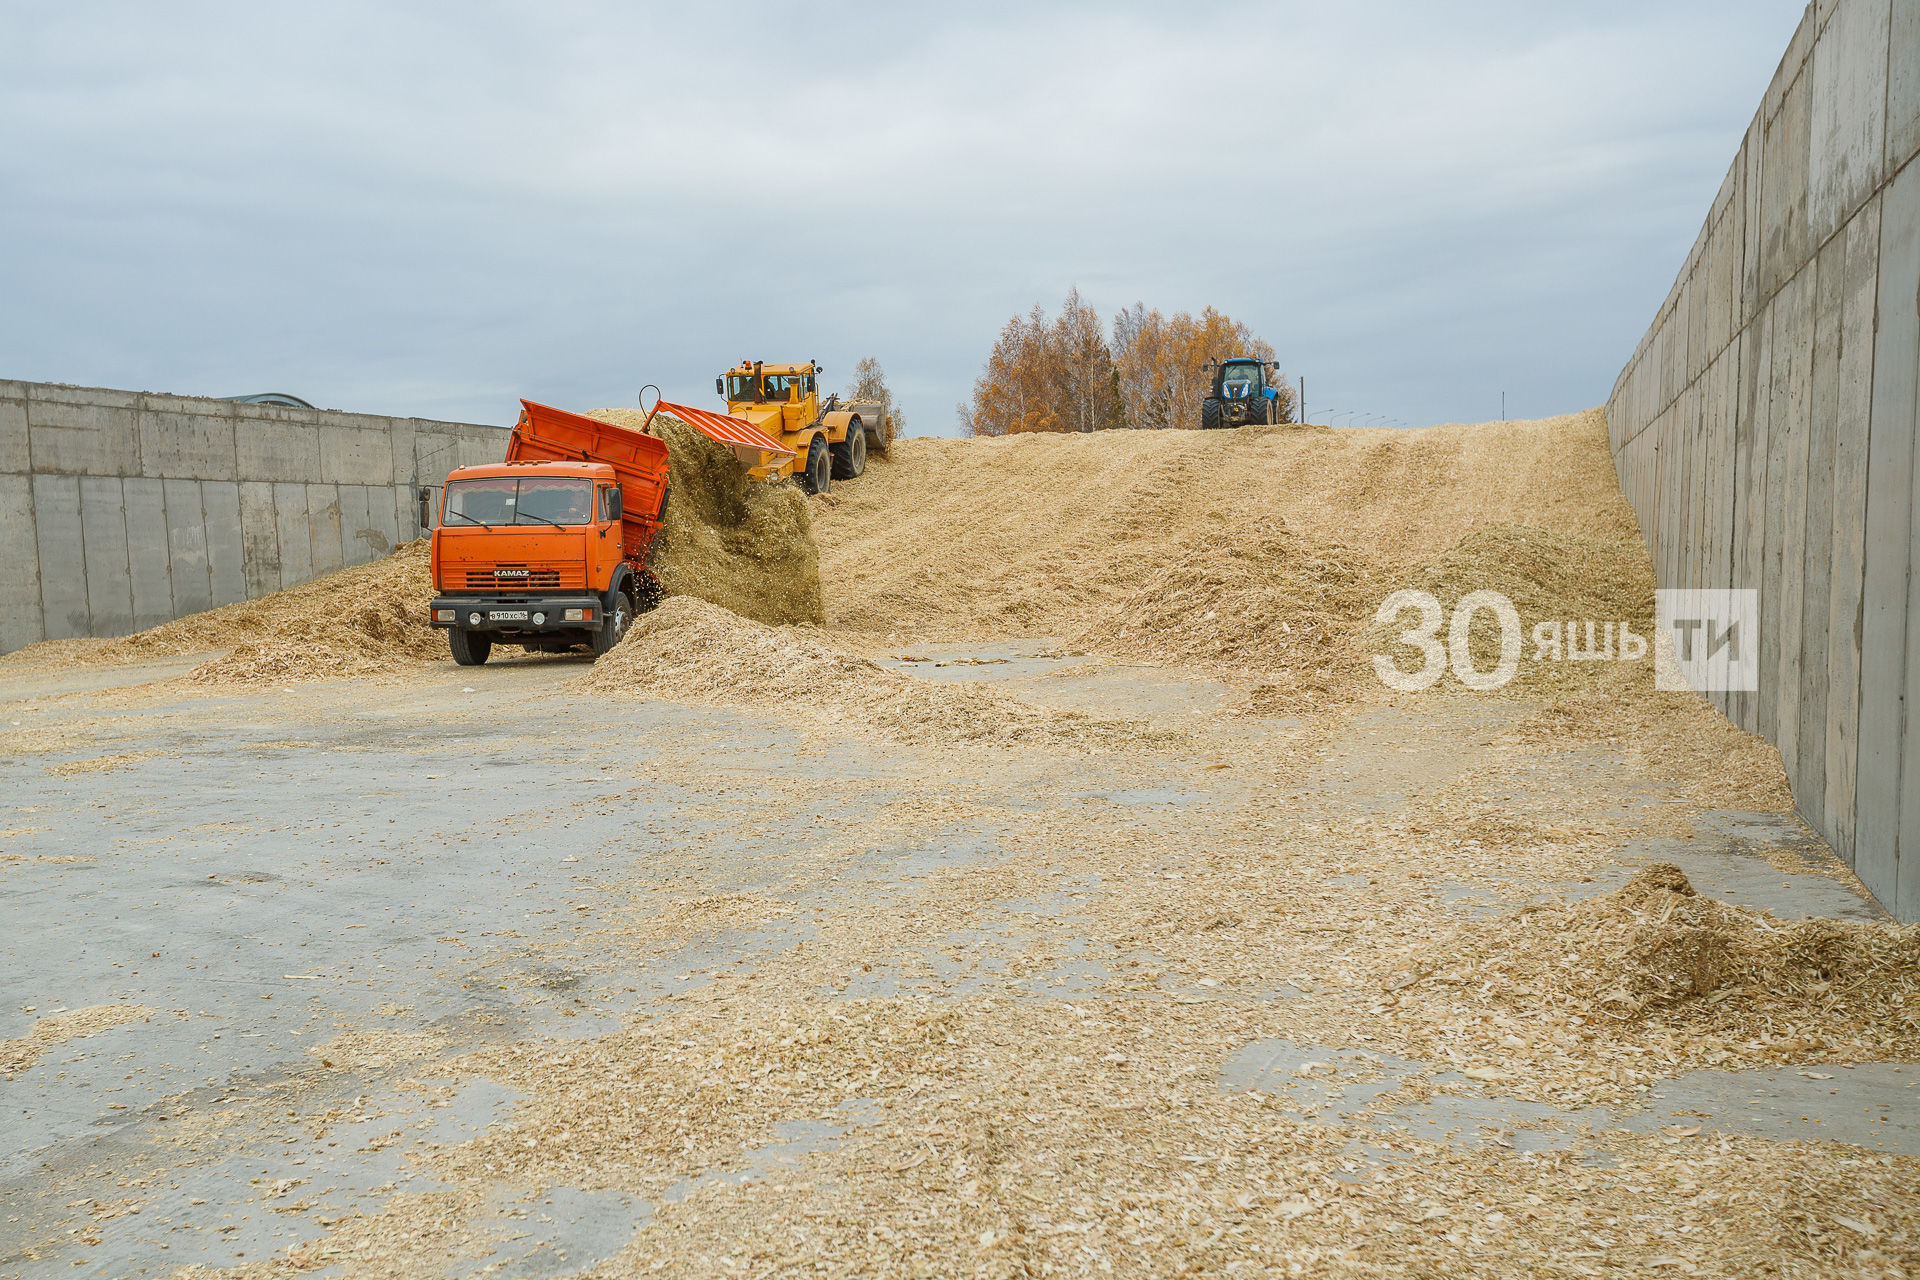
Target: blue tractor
[(1243, 394)]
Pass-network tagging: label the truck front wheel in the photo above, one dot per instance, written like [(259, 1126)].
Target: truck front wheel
[(619, 618), (470, 648), (1209, 414)]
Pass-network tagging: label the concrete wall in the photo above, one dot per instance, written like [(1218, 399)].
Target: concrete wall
[(1764, 429), (120, 510)]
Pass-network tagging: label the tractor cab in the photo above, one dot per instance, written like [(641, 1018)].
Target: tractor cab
[(1242, 380)]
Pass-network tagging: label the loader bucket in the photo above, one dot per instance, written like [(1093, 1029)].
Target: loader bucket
[(751, 445)]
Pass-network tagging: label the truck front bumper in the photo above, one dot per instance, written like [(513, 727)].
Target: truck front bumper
[(528, 615)]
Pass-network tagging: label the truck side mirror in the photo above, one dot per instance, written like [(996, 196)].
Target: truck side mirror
[(720, 387), (614, 505)]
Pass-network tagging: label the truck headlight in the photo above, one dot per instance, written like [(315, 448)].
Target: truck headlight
[(539, 619), (443, 615), (473, 619), (576, 615)]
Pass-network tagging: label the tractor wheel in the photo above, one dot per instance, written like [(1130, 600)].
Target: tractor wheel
[(470, 648), (850, 455), (819, 473), (1209, 414), (619, 618)]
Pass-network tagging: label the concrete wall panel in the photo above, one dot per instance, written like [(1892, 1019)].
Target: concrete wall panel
[(148, 571), (1848, 124), (103, 528), (226, 570), (185, 444), (382, 533), (70, 436), (1790, 571), (63, 565), (14, 454), (1853, 388), (355, 455), (323, 528), (355, 522), (20, 619), (282, 452), (1783, 188), (260, 538), (1889, 524), (187, 547), (1903, 87), (293, 522), (1808, 769), (1896, 413)]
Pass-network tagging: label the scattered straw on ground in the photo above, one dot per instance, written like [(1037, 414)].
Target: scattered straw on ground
[(22, 1052), (99, 764), (689, 650), (1653, 979)]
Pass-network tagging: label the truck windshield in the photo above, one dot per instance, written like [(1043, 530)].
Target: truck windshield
[(740, 386), (546, 500)]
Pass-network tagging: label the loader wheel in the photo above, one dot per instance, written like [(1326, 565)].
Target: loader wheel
[(619, 618), (1209, 414), (470, 648), (850, 455), (819, 473)]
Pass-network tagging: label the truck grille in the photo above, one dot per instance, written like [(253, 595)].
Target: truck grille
[(517, 576)]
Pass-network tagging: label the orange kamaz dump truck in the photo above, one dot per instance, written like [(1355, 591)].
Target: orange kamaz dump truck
[(548, 549)]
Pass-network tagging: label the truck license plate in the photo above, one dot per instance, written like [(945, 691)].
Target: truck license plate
[(507, 615)]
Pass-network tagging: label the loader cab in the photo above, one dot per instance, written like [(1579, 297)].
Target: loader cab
[(783, 388), (783, 384)]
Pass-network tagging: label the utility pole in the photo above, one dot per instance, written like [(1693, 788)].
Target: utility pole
[(1503, 406), (1303, 399)]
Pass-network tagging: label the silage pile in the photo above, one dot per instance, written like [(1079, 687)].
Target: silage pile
[(1551, 577), (746, 546), (689, 650), (1659, 975), (1259, 599)]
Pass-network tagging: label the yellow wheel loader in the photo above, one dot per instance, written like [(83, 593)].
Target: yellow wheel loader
[(829, 437)]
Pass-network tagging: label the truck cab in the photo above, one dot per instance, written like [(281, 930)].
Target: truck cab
[(524, 554)]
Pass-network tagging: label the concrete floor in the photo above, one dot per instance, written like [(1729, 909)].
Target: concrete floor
[(272, 872)]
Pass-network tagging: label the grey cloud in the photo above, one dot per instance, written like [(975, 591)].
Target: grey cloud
[(438, 209)]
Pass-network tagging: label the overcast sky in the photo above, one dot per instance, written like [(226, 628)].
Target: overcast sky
[(438, 209)]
